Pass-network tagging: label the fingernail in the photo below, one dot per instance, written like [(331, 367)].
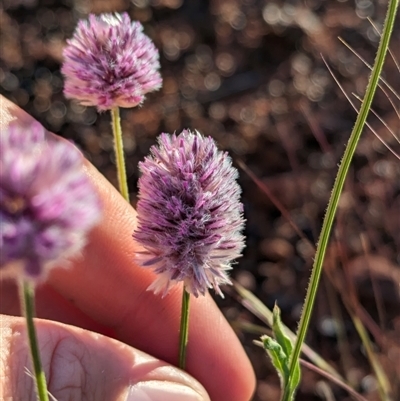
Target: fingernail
[(155, 390)]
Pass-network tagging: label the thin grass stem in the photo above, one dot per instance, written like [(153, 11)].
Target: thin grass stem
[(384, 123), (27, 294), (184, 329), (119, 153), (338, 187), (370, 67), (390, 52), (355, 108)]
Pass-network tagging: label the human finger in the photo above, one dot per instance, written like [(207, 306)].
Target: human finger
[(108, 287), (82, 365), (49, 304)]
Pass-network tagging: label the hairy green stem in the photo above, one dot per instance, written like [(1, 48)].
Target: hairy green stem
[(119, 153), (338, 187), (184, 329), (27, 294)]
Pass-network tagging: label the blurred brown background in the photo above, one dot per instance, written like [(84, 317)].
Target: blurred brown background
[(250, 74)]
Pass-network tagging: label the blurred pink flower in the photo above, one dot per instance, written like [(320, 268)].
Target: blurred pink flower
[(47, 204)]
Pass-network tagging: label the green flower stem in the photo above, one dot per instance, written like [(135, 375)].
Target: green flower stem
[(27, 294), (119, 153), (337, 189), (184, 329)]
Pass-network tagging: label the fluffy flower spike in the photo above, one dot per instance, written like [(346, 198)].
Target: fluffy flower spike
[(189, 214), (47, 204), (110, 62)]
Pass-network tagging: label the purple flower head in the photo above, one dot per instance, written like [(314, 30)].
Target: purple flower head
[(110, 62), (189, 214), (47, 204)]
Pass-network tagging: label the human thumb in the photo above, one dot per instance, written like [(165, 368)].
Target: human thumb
[(82, 365)]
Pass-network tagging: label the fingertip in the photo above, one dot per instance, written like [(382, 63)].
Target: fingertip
[(217, 358)]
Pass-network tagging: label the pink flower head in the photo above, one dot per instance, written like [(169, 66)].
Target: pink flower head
[(110, 62), (189, 214), (47, 204)]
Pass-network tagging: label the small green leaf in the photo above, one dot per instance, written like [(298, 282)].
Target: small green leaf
[(296, 379), (279, 332), (280, 351), (278, 357)]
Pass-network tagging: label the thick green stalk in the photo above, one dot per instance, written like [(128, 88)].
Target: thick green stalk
[(338, 187), (27, 294), (119, 153), (184, 329)]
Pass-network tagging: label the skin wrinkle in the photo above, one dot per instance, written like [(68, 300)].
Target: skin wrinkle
[(58, 352), (80, 359), (5, 358), (20, 352), (59, 359), (49, 376), (17, 347)]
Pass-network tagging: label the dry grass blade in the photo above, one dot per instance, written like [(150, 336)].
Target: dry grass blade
[(397, 111), (328, 375), (274, 200), (315, 129), (380, 119), (333, 379), (251, 328), (370, 67), (357, 111), (361, 320), (255, 306), (380, 34), (383, 382), (342, 338)]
